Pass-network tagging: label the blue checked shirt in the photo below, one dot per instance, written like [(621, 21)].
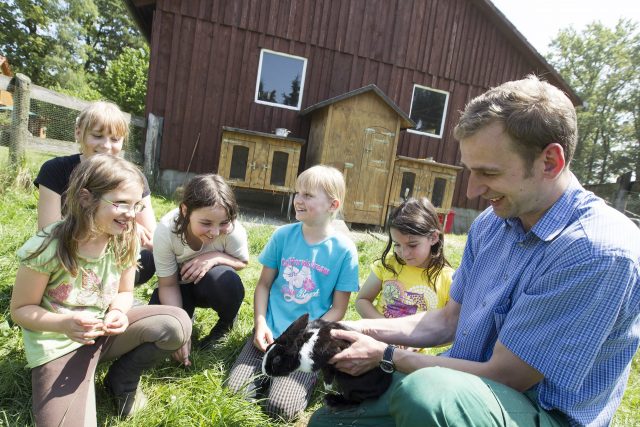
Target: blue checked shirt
[(564, 297)]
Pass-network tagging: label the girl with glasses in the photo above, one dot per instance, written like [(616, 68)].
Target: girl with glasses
[(73, 299), (101, 128)]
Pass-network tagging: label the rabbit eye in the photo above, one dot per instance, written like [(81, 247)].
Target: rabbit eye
[(276, 360)]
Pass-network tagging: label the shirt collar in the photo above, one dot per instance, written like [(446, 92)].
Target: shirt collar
[(558, 216)]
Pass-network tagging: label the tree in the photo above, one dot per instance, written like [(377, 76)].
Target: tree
[(125, 80), (294, 95), (601, 65), (65, 45)]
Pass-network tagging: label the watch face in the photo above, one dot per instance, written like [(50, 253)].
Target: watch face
[(387, 366)]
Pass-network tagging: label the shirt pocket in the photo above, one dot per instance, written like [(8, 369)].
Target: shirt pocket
[(500, 314)]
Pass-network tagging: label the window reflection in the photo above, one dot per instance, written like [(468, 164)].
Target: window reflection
[(428, 107), (408, 182), (239, 163), (280, 79), (439, 187), (279, 168)]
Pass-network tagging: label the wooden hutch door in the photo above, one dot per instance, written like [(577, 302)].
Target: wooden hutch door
[(239, 164), (374, 171), (279, 176), (440, 190)]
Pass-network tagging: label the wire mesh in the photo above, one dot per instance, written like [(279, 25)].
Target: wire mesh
[(51, 122)]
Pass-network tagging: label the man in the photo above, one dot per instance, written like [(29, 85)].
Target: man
[(544, 316)]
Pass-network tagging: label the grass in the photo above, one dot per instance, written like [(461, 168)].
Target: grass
[(178, 397)]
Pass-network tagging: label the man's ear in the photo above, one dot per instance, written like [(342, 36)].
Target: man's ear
[(553, 158), (85, 198)]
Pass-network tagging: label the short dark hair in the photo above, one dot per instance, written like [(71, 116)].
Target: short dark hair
[(533, 112)]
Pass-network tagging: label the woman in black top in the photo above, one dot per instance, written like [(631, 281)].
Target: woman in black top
[(100, 128)]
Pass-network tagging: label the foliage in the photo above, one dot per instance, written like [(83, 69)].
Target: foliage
[(68, 46), (602, 65), (292, 97), (178, 396), (125, 81)]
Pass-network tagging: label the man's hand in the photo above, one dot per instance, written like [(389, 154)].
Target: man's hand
[(364, 354)]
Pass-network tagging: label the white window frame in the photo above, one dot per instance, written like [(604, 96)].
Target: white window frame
[(444, 111), (302, 78)]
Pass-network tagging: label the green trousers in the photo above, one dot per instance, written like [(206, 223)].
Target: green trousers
[(443, 397)]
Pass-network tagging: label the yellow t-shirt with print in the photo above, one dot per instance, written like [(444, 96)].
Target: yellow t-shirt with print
[(408, 292)]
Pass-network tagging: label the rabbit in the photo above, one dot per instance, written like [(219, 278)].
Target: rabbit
[(308, 347)]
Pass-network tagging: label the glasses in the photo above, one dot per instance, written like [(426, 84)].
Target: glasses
[(125, 207)]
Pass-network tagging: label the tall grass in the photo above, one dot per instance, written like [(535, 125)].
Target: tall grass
[(178, 397)]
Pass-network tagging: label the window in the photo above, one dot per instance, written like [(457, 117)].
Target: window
[(406, 187), (280, 79), (428, 107), (439, 187), (279, 168)]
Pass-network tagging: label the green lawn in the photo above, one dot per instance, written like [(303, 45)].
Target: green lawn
[(178, 397)]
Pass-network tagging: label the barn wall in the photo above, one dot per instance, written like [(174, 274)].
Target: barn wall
[(205, 54)]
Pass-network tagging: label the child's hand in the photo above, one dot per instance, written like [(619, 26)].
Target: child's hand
[(194, 269), (115, 322), (83, 328), (262, 337), (182, 355), (145, 236)]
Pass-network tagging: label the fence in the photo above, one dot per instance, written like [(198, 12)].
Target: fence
[(38, 119), (624, 195)]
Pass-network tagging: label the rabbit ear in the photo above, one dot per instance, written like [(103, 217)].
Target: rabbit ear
[(297, 327)]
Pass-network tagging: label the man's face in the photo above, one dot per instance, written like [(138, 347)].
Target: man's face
[(500, 175)]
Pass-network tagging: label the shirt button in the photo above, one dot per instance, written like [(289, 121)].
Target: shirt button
[(484, 303), (505, 276), (465, 333)]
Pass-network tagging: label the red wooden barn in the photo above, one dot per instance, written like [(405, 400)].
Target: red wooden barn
[(257, 65)]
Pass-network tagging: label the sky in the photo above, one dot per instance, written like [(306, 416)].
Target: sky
[(540, 20)]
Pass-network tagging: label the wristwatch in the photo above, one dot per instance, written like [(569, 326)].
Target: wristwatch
[(386, 364)]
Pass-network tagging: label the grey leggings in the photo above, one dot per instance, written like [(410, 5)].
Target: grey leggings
[(287, 397), (63, 389)]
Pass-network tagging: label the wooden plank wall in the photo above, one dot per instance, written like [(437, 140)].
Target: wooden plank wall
[(205, 54)]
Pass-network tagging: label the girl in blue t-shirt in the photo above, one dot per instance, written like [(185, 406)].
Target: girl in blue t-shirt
[(73, 299), (308, 267)]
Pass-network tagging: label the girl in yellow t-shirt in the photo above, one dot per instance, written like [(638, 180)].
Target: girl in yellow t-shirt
[(415, 276)]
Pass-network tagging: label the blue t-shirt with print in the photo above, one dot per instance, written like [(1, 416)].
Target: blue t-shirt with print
[(307, 274)]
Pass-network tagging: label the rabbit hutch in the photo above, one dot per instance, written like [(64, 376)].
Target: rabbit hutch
[(358, 132), (260, 161), (424, 178)]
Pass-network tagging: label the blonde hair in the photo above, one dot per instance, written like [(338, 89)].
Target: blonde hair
[(326, 178), (98, 175), (107, 116)]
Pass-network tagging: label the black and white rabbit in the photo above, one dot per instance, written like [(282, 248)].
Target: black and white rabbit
[(308, 347)]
